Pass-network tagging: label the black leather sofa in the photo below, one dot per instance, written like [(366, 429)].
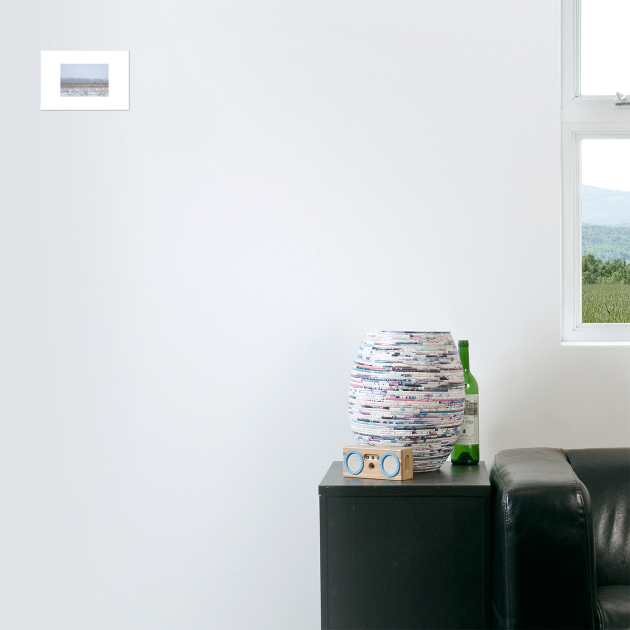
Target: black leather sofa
[(561, 540)]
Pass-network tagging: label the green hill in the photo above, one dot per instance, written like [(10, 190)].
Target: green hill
[(605, 237), (602, 206), (606, 242)]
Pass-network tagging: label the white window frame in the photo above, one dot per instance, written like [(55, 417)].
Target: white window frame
[(583, 117)]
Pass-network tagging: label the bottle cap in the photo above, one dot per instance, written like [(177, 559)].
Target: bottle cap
[(463, 342)]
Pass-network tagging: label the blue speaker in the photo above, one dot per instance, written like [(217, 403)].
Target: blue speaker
[(371, 462)]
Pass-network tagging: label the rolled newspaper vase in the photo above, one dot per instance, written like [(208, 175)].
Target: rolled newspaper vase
[(407, 389)]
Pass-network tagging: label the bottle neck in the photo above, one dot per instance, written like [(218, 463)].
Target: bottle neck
[(463, 355)]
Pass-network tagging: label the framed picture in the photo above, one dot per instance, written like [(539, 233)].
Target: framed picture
[(80, 79)]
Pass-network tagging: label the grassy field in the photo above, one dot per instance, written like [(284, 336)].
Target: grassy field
[(85, 89), (605, 303)]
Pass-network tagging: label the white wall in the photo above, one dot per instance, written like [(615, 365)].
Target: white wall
[(183, 286)]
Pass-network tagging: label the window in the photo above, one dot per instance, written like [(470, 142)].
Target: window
[(595, 172)]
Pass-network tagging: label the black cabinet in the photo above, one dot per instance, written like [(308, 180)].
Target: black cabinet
[(406, 554)]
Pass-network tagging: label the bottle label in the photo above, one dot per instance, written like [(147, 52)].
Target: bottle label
[(469, 431)]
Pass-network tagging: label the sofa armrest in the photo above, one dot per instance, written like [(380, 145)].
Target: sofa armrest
[(543, 565)]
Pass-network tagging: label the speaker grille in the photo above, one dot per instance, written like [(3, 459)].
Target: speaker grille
[(354, 462), (390, 464)]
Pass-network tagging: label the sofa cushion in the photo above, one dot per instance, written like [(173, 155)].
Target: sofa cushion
[(613, 607), (606, 475)]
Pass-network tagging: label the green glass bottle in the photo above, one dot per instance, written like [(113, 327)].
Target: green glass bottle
[(466, 449)]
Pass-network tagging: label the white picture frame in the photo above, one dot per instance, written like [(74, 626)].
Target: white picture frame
[(118, 98)]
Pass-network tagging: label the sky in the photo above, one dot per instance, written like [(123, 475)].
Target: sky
[(606, 163), (605, 52), (85, 71), (605, 60)]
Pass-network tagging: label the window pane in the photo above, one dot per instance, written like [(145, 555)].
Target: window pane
[(605, 50), (605, 231)]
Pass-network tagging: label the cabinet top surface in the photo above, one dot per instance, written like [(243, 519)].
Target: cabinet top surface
[(449, 480)]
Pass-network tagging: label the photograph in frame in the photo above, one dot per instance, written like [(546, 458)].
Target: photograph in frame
[(85, 80)]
